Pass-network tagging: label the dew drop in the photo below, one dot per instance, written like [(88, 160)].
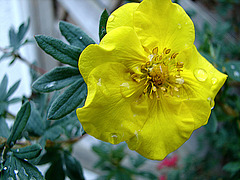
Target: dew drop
[(115, 138), (200, 74), (111, 18), (49, 85), (5, 168), (236, 73), (179, 26), (125, 85), (25, 159), (99, 82), (211, 101), (16, 171), (135, 142), (232, 67), (80, 37), (214, 80), (17, 150)]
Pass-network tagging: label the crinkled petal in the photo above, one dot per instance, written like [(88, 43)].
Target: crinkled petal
[(170, 123), (114, 109), (201, 80), (164, 24), (120, 45), (123, 16)]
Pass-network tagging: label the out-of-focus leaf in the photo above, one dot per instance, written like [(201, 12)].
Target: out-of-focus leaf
[(68, 101), (56, 79), (137, 160), (14, 100), (19, 124), (233, 69), (12, 89), (28, 152), (5, 55), (102, 24), (35, 125), (56, 171), (212, 123), (3, 107), (59, 50), (4, 130), (13, 39), (15, 169), (73, 167), (22, 30), (232, 167), (74, 35), (3, 88)]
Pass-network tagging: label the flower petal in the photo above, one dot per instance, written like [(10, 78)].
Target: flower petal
[(114, 109), (120, 45), (163, 24), (123, 16), (201, 80), (169, 125)]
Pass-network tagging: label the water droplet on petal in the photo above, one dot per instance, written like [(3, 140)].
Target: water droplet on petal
[(115, 138), (99, 82), (236, 73), (16, 171), (214, 80), (211, 101), (111, 18), (135, 142), (232, 67), (179, 26), (80, 37), (200, 74)]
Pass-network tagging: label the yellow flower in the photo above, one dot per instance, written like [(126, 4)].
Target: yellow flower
[(147, 83)]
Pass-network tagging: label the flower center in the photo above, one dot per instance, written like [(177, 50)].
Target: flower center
[(161, 73)]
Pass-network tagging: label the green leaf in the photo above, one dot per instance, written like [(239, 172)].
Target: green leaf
[(51, 134), (35, 125), (13, 38), (73, 167), (74, 35), (56, 171), (4, 130), (59, 50), (68, 101), (3, 107), (233, 69), (56, 79), (19, 124), (5, 55), (12, 89), (22, 30), (232, 167), (3, 88), (13, 100), (102, 24), (15, 169), (28, 152), (137, 160), (212, 123)]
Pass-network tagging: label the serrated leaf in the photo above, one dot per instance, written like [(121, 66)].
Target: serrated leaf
[(3, 88), (102, 24), (73, 167), (4, 130), (13, 89), (35, 125), (15, 169), (56, 166), (19, 124), (74, 35), (59, 50), (56, 79), (22, 30), (233, 69), (28, 152), (68, 101)]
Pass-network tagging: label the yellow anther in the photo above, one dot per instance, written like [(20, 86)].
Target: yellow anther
[(167, 51), (155, 51)]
